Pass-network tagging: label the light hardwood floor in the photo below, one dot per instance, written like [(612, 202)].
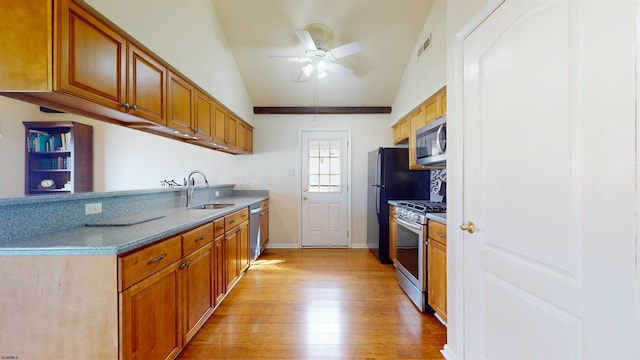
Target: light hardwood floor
[(318, 304)]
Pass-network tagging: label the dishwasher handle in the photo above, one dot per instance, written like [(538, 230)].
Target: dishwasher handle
[(255, 211)]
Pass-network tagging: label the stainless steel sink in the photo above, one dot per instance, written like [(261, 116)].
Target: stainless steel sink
[(211, 206)]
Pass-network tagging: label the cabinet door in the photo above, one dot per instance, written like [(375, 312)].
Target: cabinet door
[(147, 80), (204, 116), (243, 253), (91, 58), (180, 104), (231, 257), (249, 140), (392, 233), (437, 283), (264, 227), (230, 128), (197, 289), (150, 317), (219, 266), (241, 132), (219, 123), (415, 122)]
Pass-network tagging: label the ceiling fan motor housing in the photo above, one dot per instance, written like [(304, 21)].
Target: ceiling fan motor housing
[(321, 34)]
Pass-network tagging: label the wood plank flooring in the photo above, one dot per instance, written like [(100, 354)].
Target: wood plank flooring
[(318, 304)]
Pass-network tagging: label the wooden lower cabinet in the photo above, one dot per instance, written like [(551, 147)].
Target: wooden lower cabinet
[(392, 233), (264, 224), (219, 267), (150, 326), (198, 285), (437, 268), (231, 257)]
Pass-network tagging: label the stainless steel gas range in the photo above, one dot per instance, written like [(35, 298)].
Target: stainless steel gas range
[(411, 248)]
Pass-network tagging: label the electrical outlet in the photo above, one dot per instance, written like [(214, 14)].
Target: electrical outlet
[(93, 208), (217, 193)]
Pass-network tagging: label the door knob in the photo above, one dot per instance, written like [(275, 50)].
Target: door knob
[(469, 227), (304, 198)]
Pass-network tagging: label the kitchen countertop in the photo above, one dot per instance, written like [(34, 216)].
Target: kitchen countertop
[(439, 217), (113, 240)]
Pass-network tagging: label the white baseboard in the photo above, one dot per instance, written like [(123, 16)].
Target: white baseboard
[(296, 246), (271, 245), (448, 353)]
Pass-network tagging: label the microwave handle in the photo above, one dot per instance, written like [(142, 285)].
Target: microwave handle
[(438, 138)]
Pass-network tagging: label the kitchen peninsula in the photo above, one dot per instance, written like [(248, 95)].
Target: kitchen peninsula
[(137, 284)]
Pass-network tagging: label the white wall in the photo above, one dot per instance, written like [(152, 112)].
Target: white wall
[(277, 152), (425, 75)]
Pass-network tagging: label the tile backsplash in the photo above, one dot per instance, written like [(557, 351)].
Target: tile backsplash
[(438, 176)]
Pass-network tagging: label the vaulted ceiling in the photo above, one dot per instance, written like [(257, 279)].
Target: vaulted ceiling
[(387, 29)]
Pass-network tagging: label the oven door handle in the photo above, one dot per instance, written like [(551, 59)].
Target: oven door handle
[(416, 227)]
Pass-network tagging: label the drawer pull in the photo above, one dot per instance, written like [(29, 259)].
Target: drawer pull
[(200, 238), (220, 228), (157, 259), (441, 234), (185, 265), (232, 221)]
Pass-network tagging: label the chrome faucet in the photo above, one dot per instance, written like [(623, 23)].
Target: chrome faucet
[(191, 186)]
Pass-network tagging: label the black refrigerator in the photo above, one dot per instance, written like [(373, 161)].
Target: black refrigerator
[(389, 178)]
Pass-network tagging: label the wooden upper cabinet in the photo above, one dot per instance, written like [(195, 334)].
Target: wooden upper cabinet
[(416, 121), (204, 116), (180, 104), (401, 131), (146, 96), (230, 128), (219, 124), (241, 132), (91, 58), (98, 64), (249, 140), (63, 55)]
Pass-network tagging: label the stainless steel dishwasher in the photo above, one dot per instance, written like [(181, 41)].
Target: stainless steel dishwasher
[(254, 230)]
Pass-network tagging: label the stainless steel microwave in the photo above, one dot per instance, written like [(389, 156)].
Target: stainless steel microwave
[(431, 143)]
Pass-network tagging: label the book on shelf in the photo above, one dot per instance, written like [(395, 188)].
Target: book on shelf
[(41, 141)]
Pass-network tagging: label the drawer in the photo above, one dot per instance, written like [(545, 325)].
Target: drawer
[(218, 227), (235, 219), (438, 232), (142, 263), (193, 239)]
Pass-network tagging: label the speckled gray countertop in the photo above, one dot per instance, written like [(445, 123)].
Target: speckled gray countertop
[(105, 240), (439, 217)]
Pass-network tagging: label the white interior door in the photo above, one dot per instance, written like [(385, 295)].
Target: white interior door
[(549, 181), (325, 190)]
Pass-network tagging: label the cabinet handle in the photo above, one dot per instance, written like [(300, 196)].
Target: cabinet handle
[(157, 259), (232, 221), (134, 107), (200, 238), (220, 228), (126, 106), (441, 234), (185, 265), (244, 215)]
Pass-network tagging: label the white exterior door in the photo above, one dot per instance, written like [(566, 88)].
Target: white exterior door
[(325, 190), (550, 182)]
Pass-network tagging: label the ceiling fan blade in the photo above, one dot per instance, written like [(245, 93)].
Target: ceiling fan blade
[(287, 58), (306, 40), (337, 68), (346, 50)]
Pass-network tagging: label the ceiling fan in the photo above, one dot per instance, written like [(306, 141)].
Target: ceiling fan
[(316, 39)]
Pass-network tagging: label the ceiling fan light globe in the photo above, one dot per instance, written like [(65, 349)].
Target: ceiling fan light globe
[(322, 75), (307, 69)]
